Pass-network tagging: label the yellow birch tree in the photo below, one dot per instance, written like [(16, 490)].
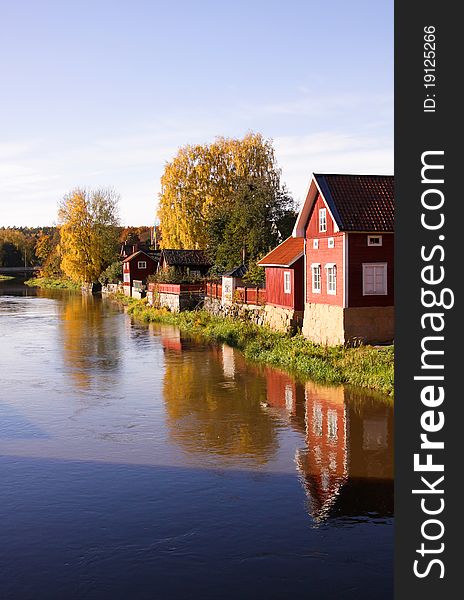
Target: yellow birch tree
[(88, 233)]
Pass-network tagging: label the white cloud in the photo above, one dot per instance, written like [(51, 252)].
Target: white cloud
[(35, 174), (329, 152)]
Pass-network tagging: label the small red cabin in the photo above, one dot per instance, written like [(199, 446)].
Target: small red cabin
[(137, 267), (347, 222), (284, 268)]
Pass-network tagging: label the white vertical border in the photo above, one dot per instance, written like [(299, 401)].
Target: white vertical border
[(304, 273), (345, 270)]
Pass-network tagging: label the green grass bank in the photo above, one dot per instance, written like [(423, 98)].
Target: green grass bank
[(50, 283), (365, 366)]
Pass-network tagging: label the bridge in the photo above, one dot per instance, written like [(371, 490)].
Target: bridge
[(18, 270)]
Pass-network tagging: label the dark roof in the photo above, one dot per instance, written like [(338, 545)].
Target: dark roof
[(236, 271), (359, 202), (127, 249), (152, 255), (285, 254), (186, 258)]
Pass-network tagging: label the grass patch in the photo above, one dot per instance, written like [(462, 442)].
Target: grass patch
[(5, 277), (50, 283), (365, 366)]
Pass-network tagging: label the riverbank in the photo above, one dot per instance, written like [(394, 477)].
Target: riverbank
[(365, 366), (51, 283)]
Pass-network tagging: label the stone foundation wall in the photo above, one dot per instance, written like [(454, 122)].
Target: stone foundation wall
[(91, 288), (112, 288), (323, 324), (334, 325), (245, 312), (138, 293), (282, 319), (176, 302), (372, 324), (275, 317)]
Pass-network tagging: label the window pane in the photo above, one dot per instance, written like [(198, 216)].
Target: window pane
[(374, 279)]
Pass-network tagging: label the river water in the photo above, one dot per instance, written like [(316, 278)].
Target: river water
[(140, 464)]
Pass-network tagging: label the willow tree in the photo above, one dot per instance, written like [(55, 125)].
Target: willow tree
[(202, 178), (88, 233)]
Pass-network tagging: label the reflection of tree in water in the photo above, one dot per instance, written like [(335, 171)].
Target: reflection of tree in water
[(347, 467), (90, 343), (214, 410)]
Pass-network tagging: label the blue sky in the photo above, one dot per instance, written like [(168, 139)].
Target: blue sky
[(102, 93)]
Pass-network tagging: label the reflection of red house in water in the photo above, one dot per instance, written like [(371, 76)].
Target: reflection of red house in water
[(319, 413), (171, 339), (346, 467), (324, 464), (286, 394)]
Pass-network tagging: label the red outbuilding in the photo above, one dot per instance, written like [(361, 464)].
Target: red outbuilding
[(137, 267), (347, 222), (284, 267)]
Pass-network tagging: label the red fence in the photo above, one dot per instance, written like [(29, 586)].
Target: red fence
[(213, 289), (250, 295), (177, 288), (243, 295)]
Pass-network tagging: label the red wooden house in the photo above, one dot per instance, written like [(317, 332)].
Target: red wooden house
[(347, 222), (137, 267), (284, 267)]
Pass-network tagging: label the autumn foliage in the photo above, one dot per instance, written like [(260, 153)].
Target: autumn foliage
[(227, 189), (88, 232)]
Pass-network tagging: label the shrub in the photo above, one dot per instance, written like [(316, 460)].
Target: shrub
[(112, 274), (174, 275)]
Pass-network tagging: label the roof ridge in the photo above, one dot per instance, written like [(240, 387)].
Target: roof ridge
[(355, 175)]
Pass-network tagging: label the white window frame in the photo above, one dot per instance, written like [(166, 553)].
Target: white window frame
[(322, 220), (318, 419), (330, 242), (371, 265), (372, 237), (316, 268), (141, 264), (287, 282), (332, 424), (315, 244), (288, 397), (329, 269)]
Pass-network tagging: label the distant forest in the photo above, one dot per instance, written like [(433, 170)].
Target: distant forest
[(25, 245), (18, 244)]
